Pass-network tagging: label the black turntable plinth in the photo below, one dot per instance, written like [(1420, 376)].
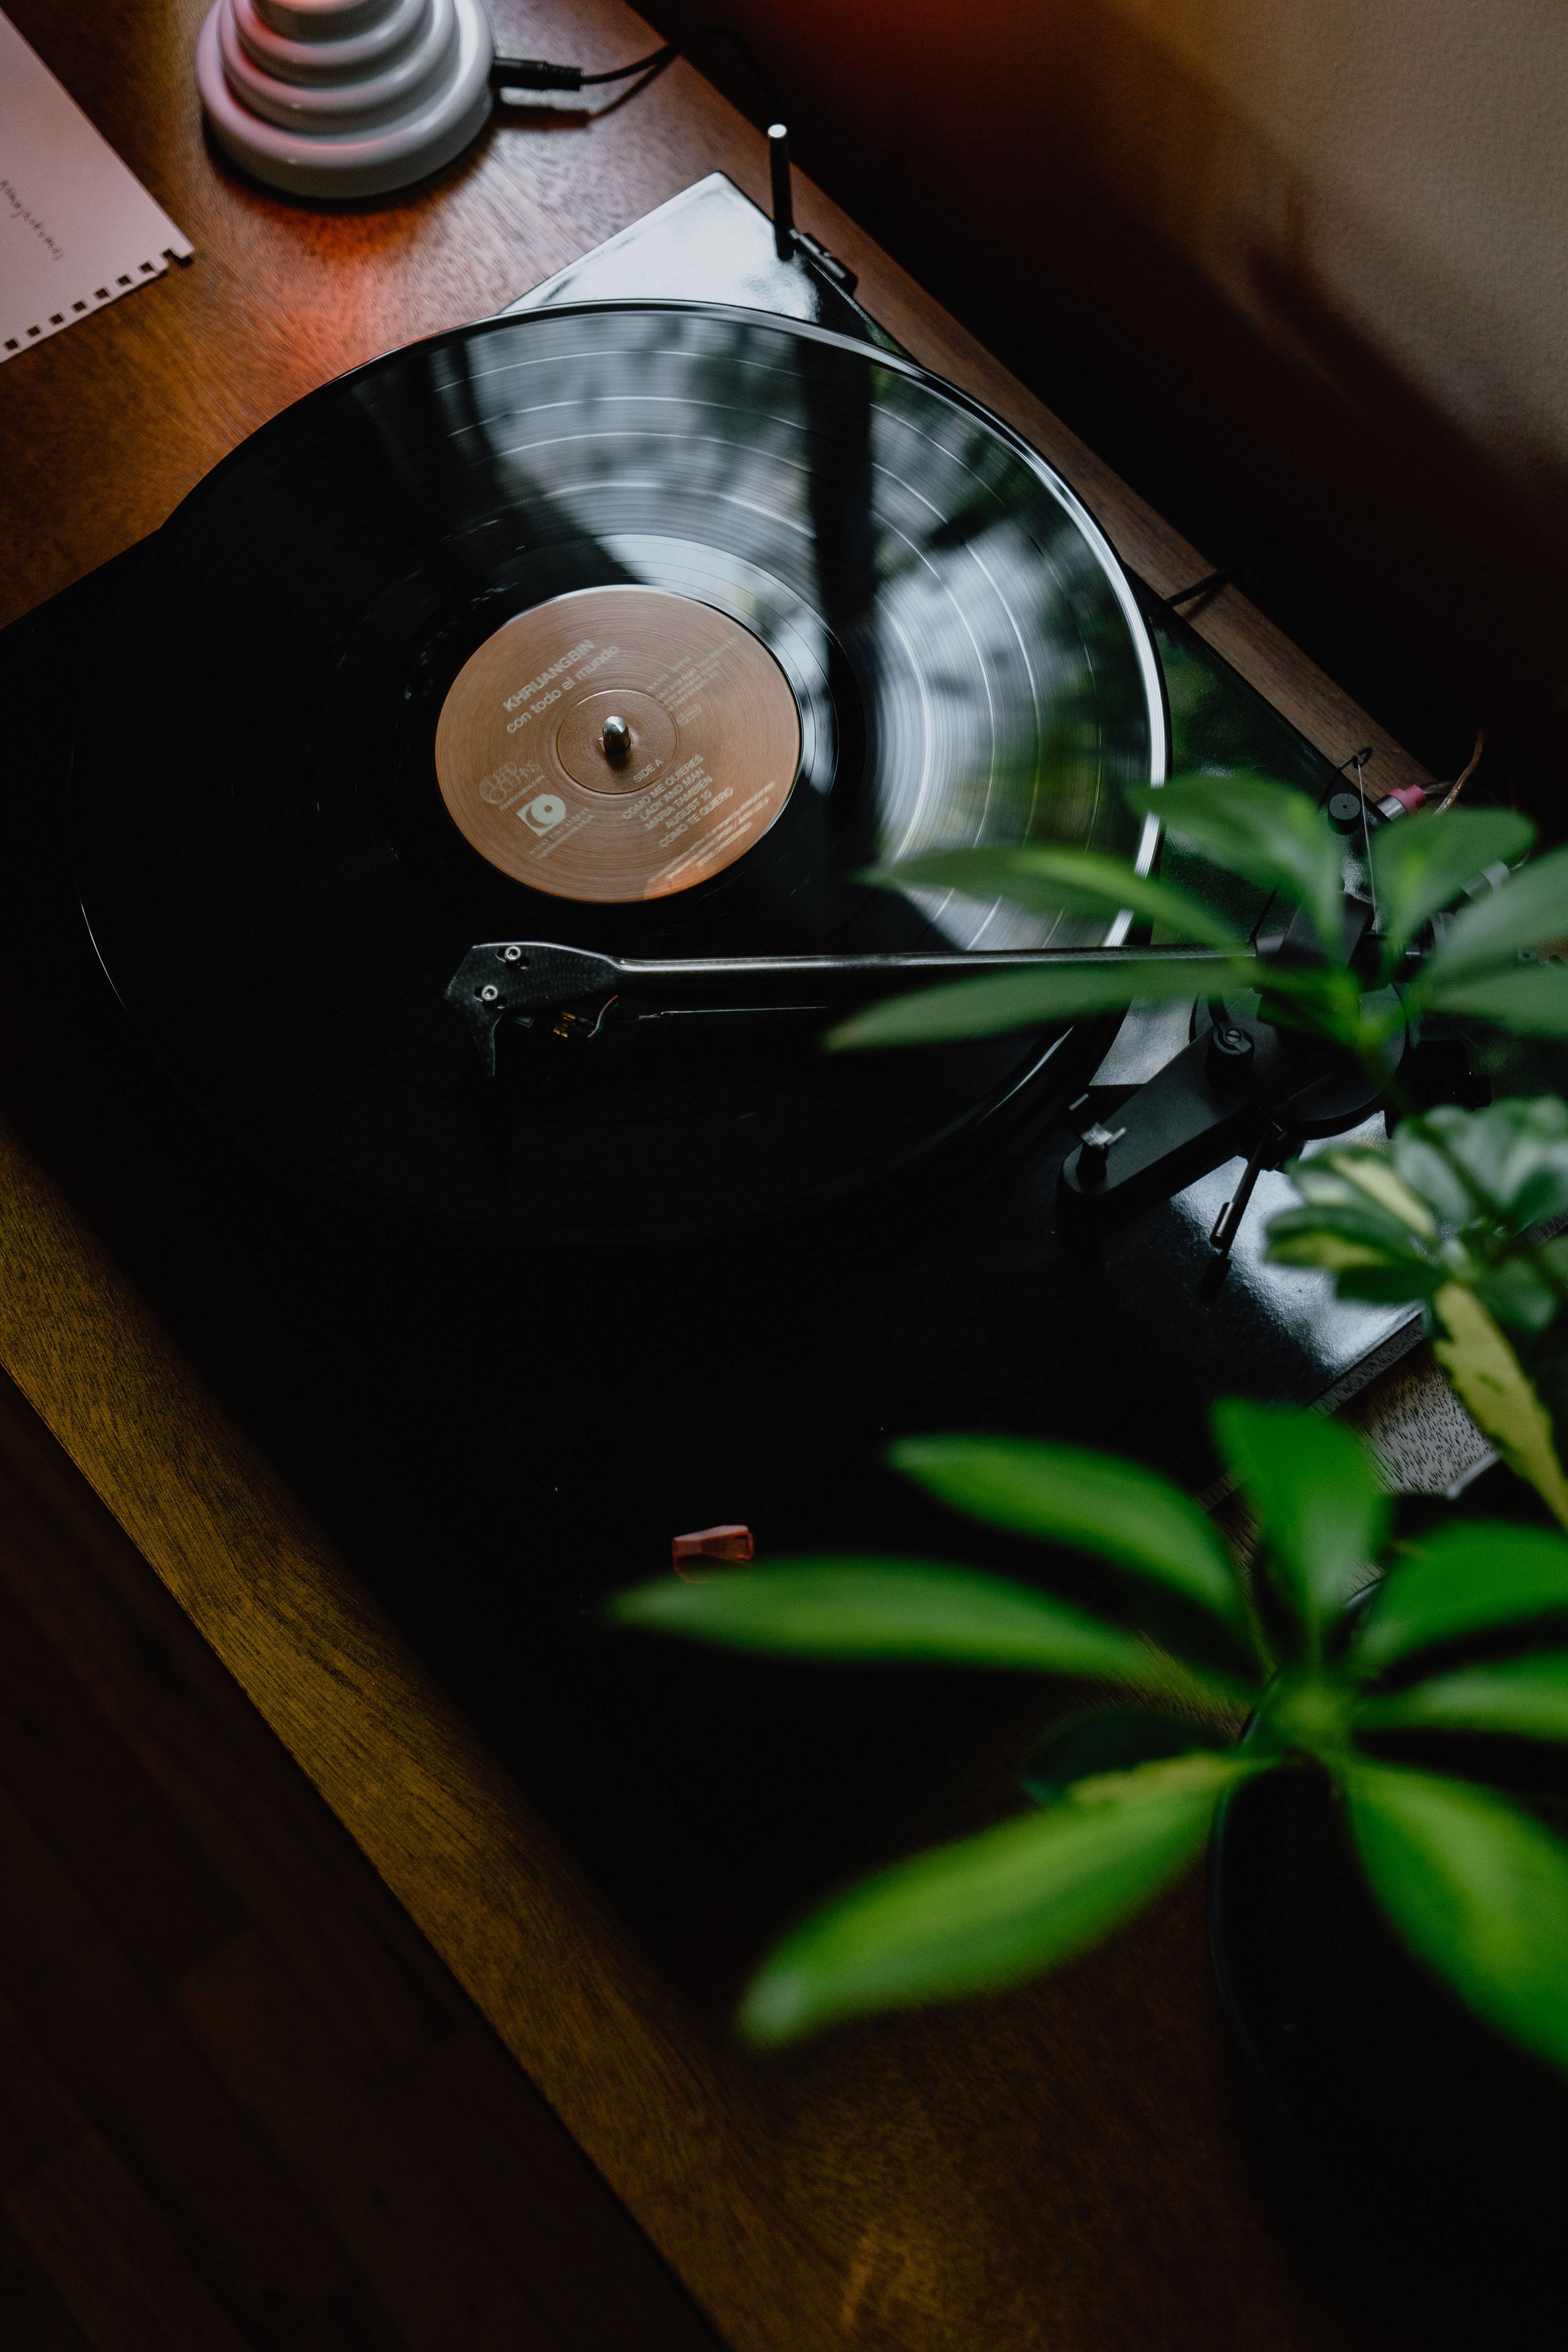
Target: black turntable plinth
[(615, 1289), (506, 1333)]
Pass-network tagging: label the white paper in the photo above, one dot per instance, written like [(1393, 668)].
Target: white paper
[(76, 230)]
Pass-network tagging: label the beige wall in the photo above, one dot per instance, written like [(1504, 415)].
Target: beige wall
[(1329, 243)]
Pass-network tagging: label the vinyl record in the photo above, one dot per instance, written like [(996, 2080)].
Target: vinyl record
[(837, 613)]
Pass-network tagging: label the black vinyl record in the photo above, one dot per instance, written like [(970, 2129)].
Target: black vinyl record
[(278, 886)]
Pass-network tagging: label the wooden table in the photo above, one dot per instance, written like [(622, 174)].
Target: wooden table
[(1067, 2167)]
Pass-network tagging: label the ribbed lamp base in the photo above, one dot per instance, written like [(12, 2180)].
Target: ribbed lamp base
[(344, 97)]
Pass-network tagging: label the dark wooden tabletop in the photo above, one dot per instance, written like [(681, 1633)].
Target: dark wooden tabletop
[(1068, 2167), (242, 2104)]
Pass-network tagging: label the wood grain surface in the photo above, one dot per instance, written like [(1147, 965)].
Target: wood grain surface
[(1067, 2168), (241, 2101)]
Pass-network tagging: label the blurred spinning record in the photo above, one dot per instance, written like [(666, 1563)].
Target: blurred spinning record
[(642, 628)]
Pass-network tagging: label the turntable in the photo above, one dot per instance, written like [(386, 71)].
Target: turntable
[(636, 622), (647, 1261)]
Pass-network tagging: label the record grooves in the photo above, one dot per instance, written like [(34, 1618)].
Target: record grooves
[(831, 612)]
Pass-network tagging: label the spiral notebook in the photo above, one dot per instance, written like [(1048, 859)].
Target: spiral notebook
[(77, 229)]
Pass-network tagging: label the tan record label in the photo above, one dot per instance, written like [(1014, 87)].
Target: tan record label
[(617, 743)]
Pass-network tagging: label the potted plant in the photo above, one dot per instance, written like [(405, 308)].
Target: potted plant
[(1410, 1693), (1278, 1672), (1458, 1211), (1314, 1709)]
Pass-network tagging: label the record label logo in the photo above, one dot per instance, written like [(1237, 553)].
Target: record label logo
[(662, 717), (541, 814)]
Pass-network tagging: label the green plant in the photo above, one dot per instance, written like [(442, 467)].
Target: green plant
[(1474, 1882), (1450, 1212), (1485, 964), (1449, 1215)]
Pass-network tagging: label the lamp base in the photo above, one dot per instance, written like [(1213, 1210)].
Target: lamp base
[(344, 97)]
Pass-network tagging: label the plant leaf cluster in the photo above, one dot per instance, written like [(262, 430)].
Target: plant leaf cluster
[(1124, 1795), (1449, 1220), (1485, 964), (1450, 1212), (1454, 1196)]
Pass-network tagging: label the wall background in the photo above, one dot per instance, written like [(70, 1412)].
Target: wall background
[(1308, 266)]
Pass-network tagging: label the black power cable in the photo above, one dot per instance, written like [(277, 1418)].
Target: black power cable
[(537, 73)]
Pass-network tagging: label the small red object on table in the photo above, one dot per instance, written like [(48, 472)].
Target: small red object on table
[(691, 1554)]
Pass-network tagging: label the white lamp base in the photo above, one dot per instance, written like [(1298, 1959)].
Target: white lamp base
[(344, 97)]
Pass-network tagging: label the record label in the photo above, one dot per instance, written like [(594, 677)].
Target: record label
[(616, 744)]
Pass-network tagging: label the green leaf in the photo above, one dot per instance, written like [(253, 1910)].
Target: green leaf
[(1544, 1196), (1363, 1266), (1407, 1284), (1267, 831), (1317, 1182), (1524, 1697), (995, 1001), (1492, 1381), (1530, 911), (1321, 1511), (890, 1609), (1479, 1890), (1530, 999), (1325, 1001), (1107, 1739), (1470, 1576), (1362, 1222), (1380, 1237), (1055, 881), (1515, 1153), (1370, 1174), (1095, 1502), (1422, 1166), (1421, 865), (990, 1909), (1304, 1237), (1515, 1294)]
